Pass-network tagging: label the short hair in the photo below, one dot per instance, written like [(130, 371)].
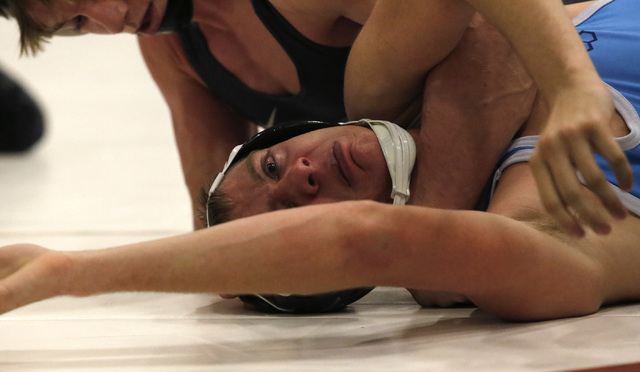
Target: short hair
[(33, 34), (218, 206)]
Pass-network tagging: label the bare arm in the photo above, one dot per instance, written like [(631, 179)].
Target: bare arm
[(398, 45), (502, 265), (206, 130), (476, 95), (474, 102), (580, 109)]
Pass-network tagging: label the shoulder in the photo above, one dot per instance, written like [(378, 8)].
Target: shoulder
[(161, 47), (165, 57)]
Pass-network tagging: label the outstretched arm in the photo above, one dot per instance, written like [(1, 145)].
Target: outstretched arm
[(500, 264)]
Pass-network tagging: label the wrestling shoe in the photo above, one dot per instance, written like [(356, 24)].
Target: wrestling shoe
[(21, 121)]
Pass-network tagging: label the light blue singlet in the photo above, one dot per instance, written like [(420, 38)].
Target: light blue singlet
[(610, 30)]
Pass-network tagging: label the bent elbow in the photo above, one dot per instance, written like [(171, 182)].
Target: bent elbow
[(546, 305)]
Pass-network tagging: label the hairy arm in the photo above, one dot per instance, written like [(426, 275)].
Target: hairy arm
[(205, 129), (475, 101)]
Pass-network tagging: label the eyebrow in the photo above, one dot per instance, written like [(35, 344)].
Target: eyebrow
[(252, 170), (257, 177)]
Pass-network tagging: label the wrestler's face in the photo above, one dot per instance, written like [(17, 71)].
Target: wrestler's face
[(324, 166), (71, 17)]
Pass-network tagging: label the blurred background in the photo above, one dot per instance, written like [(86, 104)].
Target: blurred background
[(107, 165)]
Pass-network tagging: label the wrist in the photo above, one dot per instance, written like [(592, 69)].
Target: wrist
[(93, 272), (74, 281)]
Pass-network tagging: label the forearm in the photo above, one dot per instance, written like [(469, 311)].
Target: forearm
[(304, 250), (543, 35), (262, 254), (475, 101)]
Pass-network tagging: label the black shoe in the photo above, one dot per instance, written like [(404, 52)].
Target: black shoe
[(21, 121)]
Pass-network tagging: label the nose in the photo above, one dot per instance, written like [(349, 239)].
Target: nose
[(106, 17), (300, 182)]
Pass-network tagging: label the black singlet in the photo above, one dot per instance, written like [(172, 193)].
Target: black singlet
[(320, 71)]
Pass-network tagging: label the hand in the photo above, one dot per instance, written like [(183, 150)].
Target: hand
[(577, 127), (30, 273)]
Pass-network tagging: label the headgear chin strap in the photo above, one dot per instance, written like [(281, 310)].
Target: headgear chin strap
[(177, 14), (399, 151)]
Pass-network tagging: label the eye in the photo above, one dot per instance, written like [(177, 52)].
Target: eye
[(78, 23), (270, 166), (72, 27)]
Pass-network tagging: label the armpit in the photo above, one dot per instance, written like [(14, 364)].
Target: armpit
[(540, 221)]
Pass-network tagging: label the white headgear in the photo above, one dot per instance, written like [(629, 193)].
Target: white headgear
[(399, 151)]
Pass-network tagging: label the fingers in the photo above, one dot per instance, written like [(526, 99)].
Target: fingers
[(7, 301), (595, 179), (595, 215), (12, 257), (551, 200), (29, 273), (8, 297), (608, 148), (557, 163)]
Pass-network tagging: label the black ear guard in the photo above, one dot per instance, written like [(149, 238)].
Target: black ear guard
[(279, 133), (275, 303), (177, 14), (296, 304)]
